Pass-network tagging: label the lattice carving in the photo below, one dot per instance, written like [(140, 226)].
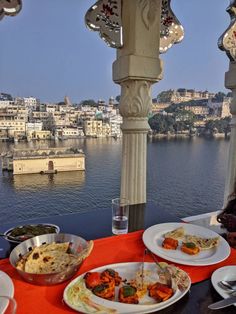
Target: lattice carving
[(9, 7), (227, 42), (171, 32), (105, 17)]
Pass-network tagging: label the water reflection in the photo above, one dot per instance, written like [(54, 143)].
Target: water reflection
[(184, 176), (33, 181)]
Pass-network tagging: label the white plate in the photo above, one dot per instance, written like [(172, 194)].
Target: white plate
[(153, 238), (223, 273), (6, 289), (125, 270)]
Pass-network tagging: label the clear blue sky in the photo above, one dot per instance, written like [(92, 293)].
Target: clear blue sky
[(47, 52)]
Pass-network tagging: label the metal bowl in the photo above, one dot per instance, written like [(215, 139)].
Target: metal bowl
[(15, 242), (78, 246)]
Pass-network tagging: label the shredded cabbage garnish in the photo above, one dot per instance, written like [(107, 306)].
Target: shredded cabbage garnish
[(79, 296)]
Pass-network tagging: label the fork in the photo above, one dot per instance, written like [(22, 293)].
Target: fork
[(165, 272), (142, 270)]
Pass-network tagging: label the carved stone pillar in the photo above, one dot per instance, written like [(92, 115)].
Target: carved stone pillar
[(227, 43), (137, 67), (230, 182), (140, 30)]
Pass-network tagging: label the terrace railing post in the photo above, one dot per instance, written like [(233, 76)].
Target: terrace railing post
[(230, 182), (227, 43), (137, 67)]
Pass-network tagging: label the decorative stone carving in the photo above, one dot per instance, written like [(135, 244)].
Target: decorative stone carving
[(10, 7), (171, 31), (105, 17), (227, 42), (149, 11), (135, 98)]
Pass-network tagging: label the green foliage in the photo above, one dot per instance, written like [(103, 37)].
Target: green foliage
[(220, 96), (160, 123), (165, 96), (163, 124), (89, 102), (61, 103), (184, 121), (173, 108), (118, 98), (218, 126)]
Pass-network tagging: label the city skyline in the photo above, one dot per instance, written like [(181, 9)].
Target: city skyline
[(79, 65)]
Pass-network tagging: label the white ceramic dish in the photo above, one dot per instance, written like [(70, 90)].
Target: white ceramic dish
[(125, 270), (223, 273), (153, 238), (6, 289)]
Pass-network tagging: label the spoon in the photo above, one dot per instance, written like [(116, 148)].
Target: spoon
[(17, 238), (229, 285)]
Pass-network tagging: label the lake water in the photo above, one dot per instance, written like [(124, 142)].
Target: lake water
[(184, 176)]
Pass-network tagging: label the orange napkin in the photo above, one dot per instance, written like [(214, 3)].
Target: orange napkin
[(115, 249)]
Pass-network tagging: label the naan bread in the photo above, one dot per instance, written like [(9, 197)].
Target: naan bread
[(21, 263), (50, 258), (202, 243), (175, 234), (50, 262), (61, 247)]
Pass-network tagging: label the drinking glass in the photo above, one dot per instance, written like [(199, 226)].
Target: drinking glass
[(7, 305), (120, 215)]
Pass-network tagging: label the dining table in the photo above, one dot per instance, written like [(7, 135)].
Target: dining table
[(108, 249)]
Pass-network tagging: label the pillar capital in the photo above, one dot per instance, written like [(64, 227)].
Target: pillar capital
[(138, 59), (135, 99)]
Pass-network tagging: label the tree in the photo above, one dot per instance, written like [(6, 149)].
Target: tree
[(165, 96), (173, 108), (218, 126), (230, 94), (161, 124), (220, 96), (185, 115), (89, 102), (118, 98)]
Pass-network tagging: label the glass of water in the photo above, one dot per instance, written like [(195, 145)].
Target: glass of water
[(7, 305), (120, 215)]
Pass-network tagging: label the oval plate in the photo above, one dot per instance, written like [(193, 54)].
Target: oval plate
[(153, 238), (6, 289), (89, 303)]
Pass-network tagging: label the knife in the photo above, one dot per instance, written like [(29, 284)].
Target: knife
[(223, 303)]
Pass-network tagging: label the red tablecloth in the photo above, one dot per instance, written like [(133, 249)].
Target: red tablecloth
[(33, 299)]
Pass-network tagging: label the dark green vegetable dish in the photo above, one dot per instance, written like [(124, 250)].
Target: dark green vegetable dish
[(33, 230)]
